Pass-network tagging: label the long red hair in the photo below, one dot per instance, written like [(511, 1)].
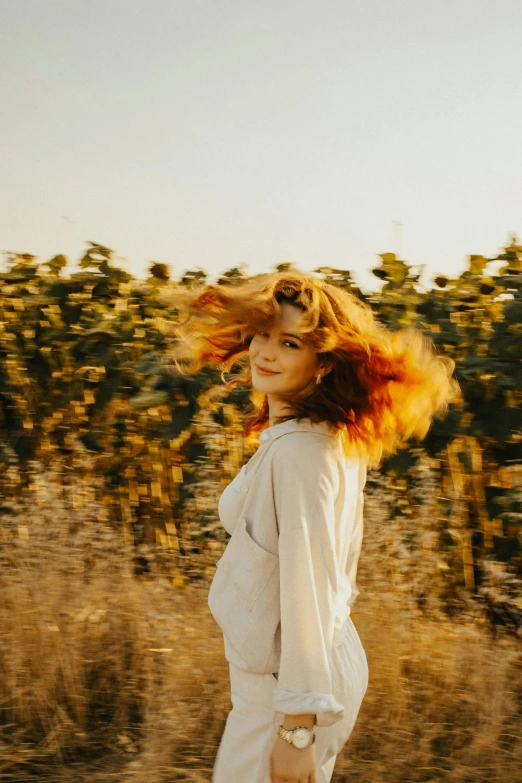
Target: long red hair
[(385, 386)]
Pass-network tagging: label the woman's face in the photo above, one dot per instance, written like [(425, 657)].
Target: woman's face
[(280, 348)]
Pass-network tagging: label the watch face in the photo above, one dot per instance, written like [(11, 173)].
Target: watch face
[(301, 738)]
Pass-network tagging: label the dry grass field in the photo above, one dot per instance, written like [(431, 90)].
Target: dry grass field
[(106, 676)]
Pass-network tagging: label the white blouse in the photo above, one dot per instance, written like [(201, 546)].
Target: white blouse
[(317, 495)]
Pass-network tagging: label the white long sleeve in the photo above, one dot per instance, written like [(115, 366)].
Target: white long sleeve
[(306, 481)]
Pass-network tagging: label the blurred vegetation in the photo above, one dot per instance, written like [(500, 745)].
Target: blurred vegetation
[(83, 373), (111, 467), (106, 676)]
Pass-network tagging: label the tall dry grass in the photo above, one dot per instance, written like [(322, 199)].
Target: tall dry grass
[(109, 676)]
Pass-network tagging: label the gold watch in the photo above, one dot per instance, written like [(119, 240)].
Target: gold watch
[(301, 737)]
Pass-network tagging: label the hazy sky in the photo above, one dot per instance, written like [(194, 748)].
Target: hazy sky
[(219, 132)]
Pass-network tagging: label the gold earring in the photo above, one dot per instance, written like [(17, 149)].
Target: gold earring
[(318, 379)]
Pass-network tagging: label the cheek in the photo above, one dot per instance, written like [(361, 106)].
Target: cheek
[(296, 366), (304, 366)]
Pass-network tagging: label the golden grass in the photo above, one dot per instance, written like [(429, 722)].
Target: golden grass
[(109, 677)]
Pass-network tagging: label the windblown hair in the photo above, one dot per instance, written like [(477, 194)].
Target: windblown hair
[(385, 387)]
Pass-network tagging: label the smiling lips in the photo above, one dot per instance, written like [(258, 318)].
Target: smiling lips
[(264, 371)]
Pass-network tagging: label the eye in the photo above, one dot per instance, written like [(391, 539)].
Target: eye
[(265, 334)]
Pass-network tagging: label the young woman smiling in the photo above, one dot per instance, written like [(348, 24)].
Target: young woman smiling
[(334, 392)]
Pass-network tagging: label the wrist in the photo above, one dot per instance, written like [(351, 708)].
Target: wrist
[(292, 721)]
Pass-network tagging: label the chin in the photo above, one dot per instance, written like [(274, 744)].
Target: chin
[(267, 388)]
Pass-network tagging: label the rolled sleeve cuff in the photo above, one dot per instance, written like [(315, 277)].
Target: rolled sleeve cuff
[(324, 706)]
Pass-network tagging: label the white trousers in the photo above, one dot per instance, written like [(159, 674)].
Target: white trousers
[(251, 728)]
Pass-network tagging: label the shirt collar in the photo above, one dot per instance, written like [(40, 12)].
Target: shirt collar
[(276, 430)]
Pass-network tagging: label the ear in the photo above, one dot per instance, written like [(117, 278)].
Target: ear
[(326, 368)]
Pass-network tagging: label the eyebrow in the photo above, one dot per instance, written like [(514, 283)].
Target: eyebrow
[(291, 334)]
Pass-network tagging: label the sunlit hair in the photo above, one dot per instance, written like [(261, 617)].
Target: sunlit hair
[(385, 386)]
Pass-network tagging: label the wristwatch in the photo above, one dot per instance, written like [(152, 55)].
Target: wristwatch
[(300, 737)]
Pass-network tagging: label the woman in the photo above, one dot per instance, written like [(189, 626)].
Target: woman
[(335, 392)]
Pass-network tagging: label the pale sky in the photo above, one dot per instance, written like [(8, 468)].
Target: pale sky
[(216, 133)]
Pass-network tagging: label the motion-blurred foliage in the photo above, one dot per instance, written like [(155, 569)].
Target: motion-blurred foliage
[(84, 385)]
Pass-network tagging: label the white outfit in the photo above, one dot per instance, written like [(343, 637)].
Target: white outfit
[(282, 595)]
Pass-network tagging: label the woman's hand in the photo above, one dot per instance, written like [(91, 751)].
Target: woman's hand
[(292, 765)]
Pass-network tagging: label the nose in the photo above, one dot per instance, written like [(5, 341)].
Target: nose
[(267, 352)]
